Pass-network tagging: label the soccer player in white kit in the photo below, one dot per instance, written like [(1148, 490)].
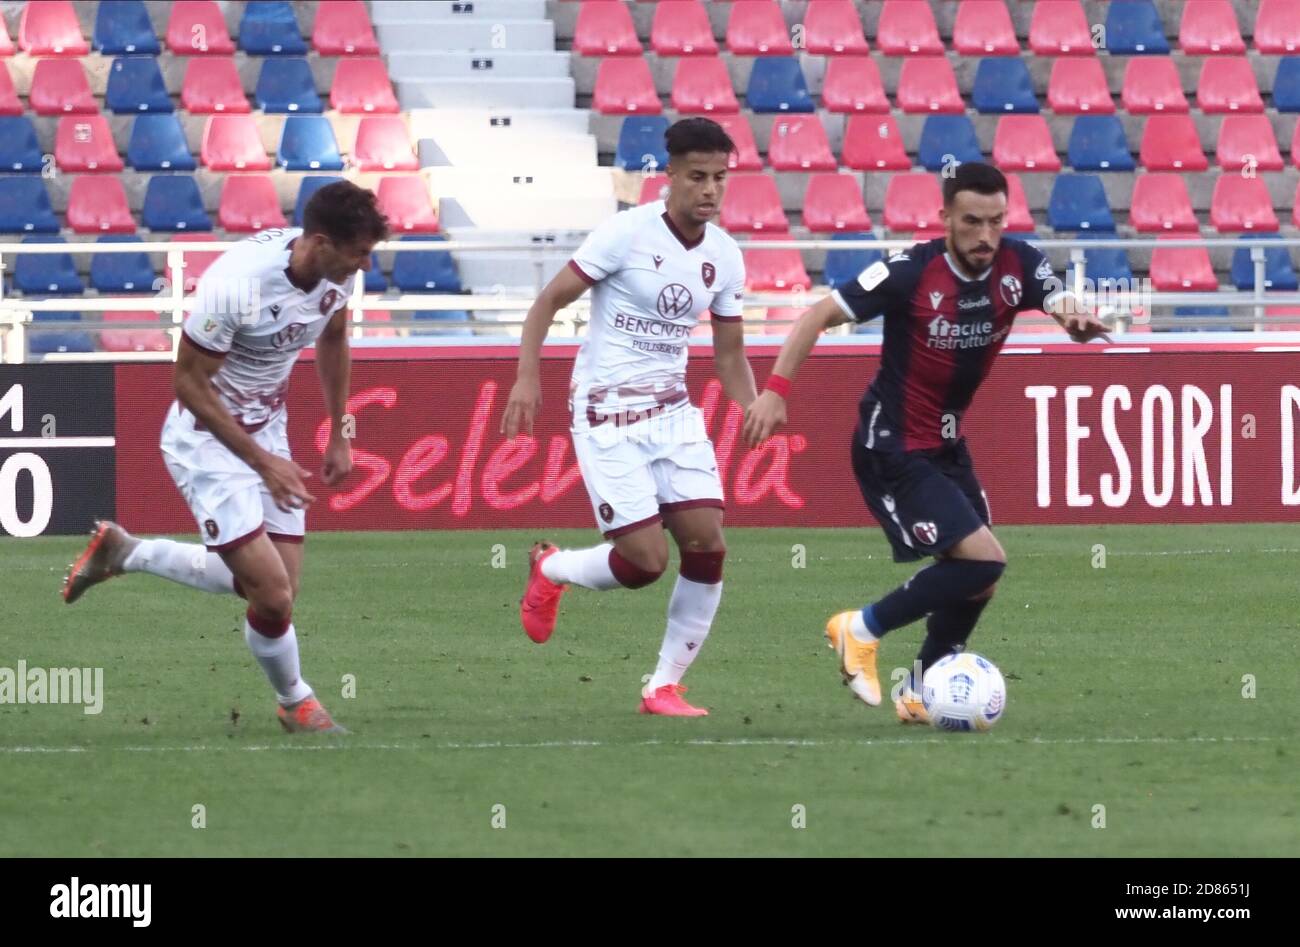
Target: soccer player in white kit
[(641, 445), (225, 442)]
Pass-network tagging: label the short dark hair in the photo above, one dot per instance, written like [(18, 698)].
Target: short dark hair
[(697, 134), (345, 212), (974, 176)]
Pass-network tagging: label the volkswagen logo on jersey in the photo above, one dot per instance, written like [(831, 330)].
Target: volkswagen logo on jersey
[(707, 272), (1010, 289), (327, 301), (288, 335), (926, 533), (675, 300)]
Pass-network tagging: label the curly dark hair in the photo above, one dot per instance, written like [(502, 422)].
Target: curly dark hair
[(345, 212)]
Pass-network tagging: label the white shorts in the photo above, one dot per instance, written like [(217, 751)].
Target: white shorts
[(633, 479), (229, 501)]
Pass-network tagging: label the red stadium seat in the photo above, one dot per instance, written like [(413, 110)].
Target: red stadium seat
[(1295, 204), (702, 86), (1024, 143), (342, 28), (912, 203), (59, 87), (6, 44), (928, 84), (85, 143), (249, 204), (196, 262), (834, 202), (873, 143), (653, 188), (378, 332), (1182, 269), (1078, 87), (682, 28), (198, 28), (1151, 84), (1277, 27), (50, 28), (10, 104), (983, 28), (1242, 205), (799, 143), (1060, 28), (1170, 143), (134, 340), (361, 85), (605, 29), (768, 271), (757, 28), (779, 320), (745, 157), (384, 144), (97, 204), (212, 85), (752, 203), (832, 27), (624, 85), (1228, 85), (852, 84), (1161, 204), (406, 203), (232, 143), (1019, 219), (1295, 144), (1210, 26), (907, 28), (1247, 141)]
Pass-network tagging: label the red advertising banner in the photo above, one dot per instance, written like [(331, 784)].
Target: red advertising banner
[(1078, 438)]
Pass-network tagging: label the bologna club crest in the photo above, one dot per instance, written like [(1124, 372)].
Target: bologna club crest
[(708, 272), (926, 533), (1010, 289)]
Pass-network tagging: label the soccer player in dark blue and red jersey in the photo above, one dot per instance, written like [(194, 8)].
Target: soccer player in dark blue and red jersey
[(948, 306)]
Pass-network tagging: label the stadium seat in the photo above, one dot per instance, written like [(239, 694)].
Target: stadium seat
[(768, 271), (983, 28), (873, 143), (832, 28), (927, 84), (198, 28), (1279, 274), (85, 143), (776, 84), (1228, 84), (50, 28), (1182, 269), (1241, 204), (46, 273), (752, 203), (123, 28), (19, 149), (757, 28), (212, 85), (1004, 85), (97, 204), (1209, 26), (232, 143), (1078, 87), (800, 144), (45, 343), (361, 85), (907, 28), (1060, 28), (448, 322), (426, 271), (59, 87), (605, 29), (6, 44), (1248, 142), (1295, 144), (1106, 264), (406, 201), (1078, 202), (946, 139), (134, 340), (653, 188), (1286, 85), (1019, 219), (342, 28), (307, 143), (624, 84), (641, 143), (912, 203), (682, 28), (1171, 143), (310, 185), (702, 86), (844, 265), (121, 272), (1277, 27), (158, 144), (1097, 142), (249, 204), (745, 157), (1295, 211), (1024, 143), (270, 29), (852, 84), (833, 203), (1152, 85), (1134, 28), (375, 281), (173, 203), (135, 84), (384, 144), (1160, 204), (196, 262), (9, 102), (286, 85), (25, 206)]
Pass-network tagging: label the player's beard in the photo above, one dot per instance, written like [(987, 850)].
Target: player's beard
[(967, 263)]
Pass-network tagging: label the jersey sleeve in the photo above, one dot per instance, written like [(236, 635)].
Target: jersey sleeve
[(212, 323), (602, 253), (729, 302), (1042, 286), (877, 288)]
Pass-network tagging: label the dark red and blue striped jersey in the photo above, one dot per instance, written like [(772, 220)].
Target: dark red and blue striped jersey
[(942, 332)]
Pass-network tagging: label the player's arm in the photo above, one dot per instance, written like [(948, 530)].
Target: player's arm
[(526, 395), (1075, 317), (334, 366), (730, 363)]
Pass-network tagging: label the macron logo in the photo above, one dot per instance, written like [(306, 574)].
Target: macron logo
[(78, 900), (935, 298)]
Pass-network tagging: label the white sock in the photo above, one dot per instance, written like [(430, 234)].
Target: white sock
[(690, 615), (279, 659), (586, 567), (186, 563), (858, 628)]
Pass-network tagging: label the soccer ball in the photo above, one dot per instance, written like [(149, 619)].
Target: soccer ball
[(964, 691)]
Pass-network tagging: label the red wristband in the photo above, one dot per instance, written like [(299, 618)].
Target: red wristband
[(779, 384)]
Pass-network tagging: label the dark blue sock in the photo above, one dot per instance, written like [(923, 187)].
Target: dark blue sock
[(947, 630), (947, 583)]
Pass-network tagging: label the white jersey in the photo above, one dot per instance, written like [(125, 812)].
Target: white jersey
[(649, 289), (249, 314)]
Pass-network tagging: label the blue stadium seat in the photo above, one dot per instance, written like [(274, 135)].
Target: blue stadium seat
[(845, 265), (1133, 27), (270, 28), (1078, 202), (1286, 85), (453, 322), (19, 149), (1097, 143), (44, 343), (1279, 274), (307, 144), (309, 186), (173, 202), (776, 84), (641, 142), (376, 282), (135, 84), (286, 85), (1105, 263), (158, 144), (428, 271), (1201, 312), (1003, 85), (947, 137), (123, 27), (46, 273), (25, 207), (121, 272)]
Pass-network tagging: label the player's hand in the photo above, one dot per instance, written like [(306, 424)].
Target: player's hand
[(766, 413), (1082, 325), (285, 480), (338, 460), (525, 397)]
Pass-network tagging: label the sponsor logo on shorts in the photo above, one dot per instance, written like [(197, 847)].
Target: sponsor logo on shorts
[(606, 512), (1010, 289), (210, 527), (707, 272), (926, 533), (674, 301)]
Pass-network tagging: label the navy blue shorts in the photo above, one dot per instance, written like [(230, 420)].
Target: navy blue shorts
[(926, 501)]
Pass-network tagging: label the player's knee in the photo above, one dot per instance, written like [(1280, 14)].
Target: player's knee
[(273, 601), (703, 565), (638, 568), (989, 572), (985, 595)]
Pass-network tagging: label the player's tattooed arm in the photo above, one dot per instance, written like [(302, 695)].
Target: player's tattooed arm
[(526, 395), (730, 363), (334, 366)]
